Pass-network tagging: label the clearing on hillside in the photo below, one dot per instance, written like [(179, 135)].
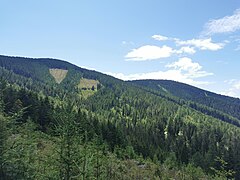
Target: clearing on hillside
[(88, 87), (88, 84), (58, 74)]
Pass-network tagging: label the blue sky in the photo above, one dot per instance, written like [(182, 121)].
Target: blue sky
[(195, 42)]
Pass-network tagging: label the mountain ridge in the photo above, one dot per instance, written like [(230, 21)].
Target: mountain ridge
[(67, 63), (191, 93)]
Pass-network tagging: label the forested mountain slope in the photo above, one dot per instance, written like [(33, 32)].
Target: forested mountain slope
[(228, 105), (119, 128)]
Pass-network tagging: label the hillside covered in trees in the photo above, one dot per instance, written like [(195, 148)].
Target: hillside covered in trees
[(60, 121), (228, 105)]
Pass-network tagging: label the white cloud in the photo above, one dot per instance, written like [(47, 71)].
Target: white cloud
[(185, 64), (189, 68), (231, 81), (160, 37), (183, 70), (89, 68), (175, 75), (237, 85), (230, 93), (224, 25), (203, 44), (170, 75), (186, 49), (149, 52), (234, 89), (152, 52)]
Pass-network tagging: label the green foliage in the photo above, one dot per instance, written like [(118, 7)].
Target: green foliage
[(122, 131), (3, 139), (222, 170), (227, 105)]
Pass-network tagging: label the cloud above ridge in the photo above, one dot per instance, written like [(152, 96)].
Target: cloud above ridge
[(184, 70), (149, 52), (160, 37), (202, 44), (154, 52)]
